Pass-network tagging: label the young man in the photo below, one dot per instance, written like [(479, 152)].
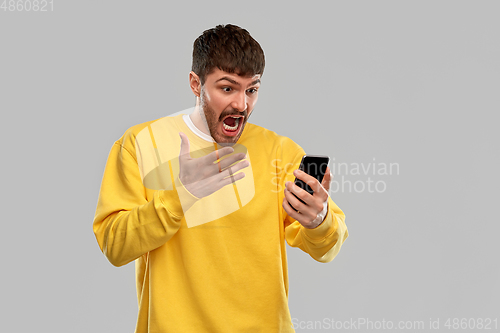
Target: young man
[(201, 202)]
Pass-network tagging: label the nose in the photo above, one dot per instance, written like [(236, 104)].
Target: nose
[(239, 103)]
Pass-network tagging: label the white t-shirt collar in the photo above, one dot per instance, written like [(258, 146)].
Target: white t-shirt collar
[(195, 129)]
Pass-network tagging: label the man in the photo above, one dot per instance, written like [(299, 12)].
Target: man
[(201, 202)]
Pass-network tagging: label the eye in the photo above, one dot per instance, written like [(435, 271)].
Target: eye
[(252, 90), (226, 89)]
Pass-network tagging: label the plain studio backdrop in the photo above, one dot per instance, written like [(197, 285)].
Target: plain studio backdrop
[(402, 95)]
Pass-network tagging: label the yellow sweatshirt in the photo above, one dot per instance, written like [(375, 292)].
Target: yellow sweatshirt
[(216, 264)]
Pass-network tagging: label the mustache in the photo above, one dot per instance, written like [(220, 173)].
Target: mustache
[(234, 113)]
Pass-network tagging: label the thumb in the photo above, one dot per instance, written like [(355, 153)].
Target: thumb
[(327, 179), (184, 153)]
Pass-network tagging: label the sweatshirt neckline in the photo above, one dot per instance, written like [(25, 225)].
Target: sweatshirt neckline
[(194, 139), (189, 123)]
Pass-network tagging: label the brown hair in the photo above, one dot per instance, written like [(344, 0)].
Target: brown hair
[(229, 48)]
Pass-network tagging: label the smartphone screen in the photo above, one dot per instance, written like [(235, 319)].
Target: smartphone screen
[(312, 165)]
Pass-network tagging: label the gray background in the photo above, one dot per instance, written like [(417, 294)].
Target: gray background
[(409, 82)]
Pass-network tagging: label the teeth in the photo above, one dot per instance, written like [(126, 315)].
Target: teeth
[(229, 128)]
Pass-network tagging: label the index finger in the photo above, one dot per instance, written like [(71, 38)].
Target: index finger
[(219, 153), (309, 180)]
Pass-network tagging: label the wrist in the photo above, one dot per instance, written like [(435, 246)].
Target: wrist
[(320, 218)]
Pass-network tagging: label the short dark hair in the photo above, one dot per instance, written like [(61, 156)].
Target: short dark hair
[(229, 48)]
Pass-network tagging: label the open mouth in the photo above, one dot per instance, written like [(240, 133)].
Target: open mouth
[(231, 125)]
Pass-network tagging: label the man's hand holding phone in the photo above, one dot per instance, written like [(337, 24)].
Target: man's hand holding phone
[(311, 209)]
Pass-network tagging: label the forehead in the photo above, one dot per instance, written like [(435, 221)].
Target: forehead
[(218, 75)]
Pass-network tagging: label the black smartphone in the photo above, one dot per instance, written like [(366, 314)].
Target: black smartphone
[(315, 166)]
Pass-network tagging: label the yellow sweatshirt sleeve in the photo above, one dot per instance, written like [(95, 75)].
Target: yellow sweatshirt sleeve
[(126, 224)]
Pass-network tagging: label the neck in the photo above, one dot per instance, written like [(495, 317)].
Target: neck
[(197, 118)]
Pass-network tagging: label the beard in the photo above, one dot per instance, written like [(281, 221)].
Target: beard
[(214, 123)]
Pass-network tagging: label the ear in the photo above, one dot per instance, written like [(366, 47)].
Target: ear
[(195, 83)]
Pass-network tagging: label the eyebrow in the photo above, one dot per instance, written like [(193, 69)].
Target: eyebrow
[(236, 83)]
